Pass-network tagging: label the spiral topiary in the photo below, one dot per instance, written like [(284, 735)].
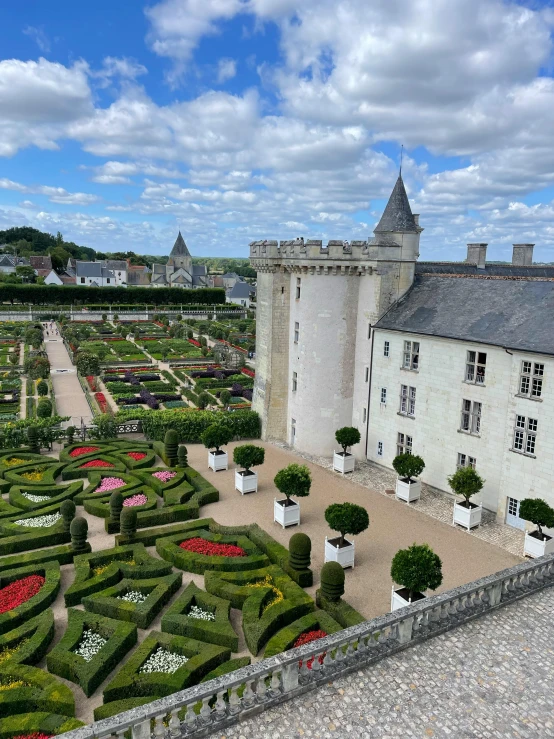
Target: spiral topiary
[(116, 506), (67, 509), (182, 456), (79, 531), (32, 438), (171, 444), (128, 522), (70, 431), (300, 548), (332, 581)]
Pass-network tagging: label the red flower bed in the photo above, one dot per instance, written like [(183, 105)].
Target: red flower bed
[(249, 372), (92, 383), (211, 549), (102, 402), (96, 463), (239, 348), (120, 371), (194, 342), (137, 456), (307, 638), (34, 735), (20, 591), (80, 450), (112, 338)]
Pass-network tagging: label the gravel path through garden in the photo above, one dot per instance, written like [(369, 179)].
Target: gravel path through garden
[(70, 398)]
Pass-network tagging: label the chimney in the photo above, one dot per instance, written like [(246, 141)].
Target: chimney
[(523, 254), (477, 255)]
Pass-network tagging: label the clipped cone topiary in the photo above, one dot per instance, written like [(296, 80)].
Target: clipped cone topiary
[(32, 438), (171, 443), (70, 431), (182, 456), (116, 506), (67, 509), (332, 581), (300, 549), (128, 522), (79, 531)]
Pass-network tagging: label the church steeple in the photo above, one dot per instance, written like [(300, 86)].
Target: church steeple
[(180, 257), (180, 249), (397, 216)]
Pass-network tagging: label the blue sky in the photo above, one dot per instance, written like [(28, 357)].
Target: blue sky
[(236, 120)]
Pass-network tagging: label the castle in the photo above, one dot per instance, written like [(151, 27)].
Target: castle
[(179, 270), (453, 361)]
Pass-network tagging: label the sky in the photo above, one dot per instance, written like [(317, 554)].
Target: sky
[(238, 120)]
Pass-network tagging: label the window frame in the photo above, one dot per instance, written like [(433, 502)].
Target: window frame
[(476, 367), (473, 412), (404, 443), (386, 349), (383, 396), (524, 438), (410, 355), (294, 382), (466, 460), (298, 287), (380, 448), (531, 374), (296, 331), (407, 401)]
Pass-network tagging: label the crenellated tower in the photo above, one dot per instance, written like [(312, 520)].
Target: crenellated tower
[(315, 308)]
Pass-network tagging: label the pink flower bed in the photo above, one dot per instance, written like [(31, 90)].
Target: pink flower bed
[(138, 499), (164, 476), (110, 483)]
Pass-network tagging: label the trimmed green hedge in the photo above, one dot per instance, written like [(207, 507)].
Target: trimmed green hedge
[(130, 682), (103, 448), (178, 495), (63, 661), (52, 470), (23, 724), (36, 540), (112, 709), (39, 692), (340, 610), (56, 494), (177, 621), (63, 554), (99, 505), (149, 537), (190, 426), (285, 638), (8, 527), (137, 464), (73, 470), (28, 643), (39, 602), (117, 564), (158, 593), (7, 510), (170, 550), (227, 667), (132, 483), (147, 477), (27, 458)]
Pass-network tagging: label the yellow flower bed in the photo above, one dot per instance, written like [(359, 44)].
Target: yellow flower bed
[(13, 461), (8, 652), (102, 568), (14, 684), (267, 582), (33, 476)]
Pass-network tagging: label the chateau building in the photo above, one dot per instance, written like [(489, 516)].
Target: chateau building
[(179, 270), (451, 361)]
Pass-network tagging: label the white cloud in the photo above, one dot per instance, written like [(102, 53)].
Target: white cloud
[(226, 70), (54, 194), (119, 173), (39, 36), (123, 68)]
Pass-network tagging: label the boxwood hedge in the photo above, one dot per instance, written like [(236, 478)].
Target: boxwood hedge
[(49, 468), (112, 709), (170, 550), (149, 537), (63, 661), (286, 638), (148, 478), (27, 644), (39, 691), (54, 494), (103, 448), (95, 478), (340, 611), (130, 682), (42, 722), (99, 505), (227, 667), (63, 554), (36, 540), (190, 426), (75, 470), (158, 592), (7, 510), (220, 631), (39, 602), (9, 527)]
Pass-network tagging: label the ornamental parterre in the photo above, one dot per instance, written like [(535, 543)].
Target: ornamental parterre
[(89, 646), (133, 596), (164, 661), (110, 483), (35, 498), (133, 500), (200, 614), (39, 522), (212, 549), (80, 450), (137, 456), (164, 476), (19, 592), (96, 463)]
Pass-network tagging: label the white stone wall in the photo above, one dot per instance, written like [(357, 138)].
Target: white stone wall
[(440, 389)]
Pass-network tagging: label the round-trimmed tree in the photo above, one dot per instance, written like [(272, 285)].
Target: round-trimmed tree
[(408, 466), (182, 456), (248, 456), (417, 569), (466, 482), (216, 436), (347, 436), (294, 480), (44, 408), (332, 581), (346, 518), (203, 400), (171, 446), (79, 531), (116, 506), (70, 433), (42, 388), (67, 509), (537, 511), (300, 549), (225, 397), (128, 522)]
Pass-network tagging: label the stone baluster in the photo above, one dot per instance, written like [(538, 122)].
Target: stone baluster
[(174, 724), (248, 697), (220, 705), (261, 689), (361, 648), (316, 667), (234, 701), (350, 651), (205, 710), (159, 728), (328, 660), (304, 672), (275, 686), (190, 718), (141, 730)]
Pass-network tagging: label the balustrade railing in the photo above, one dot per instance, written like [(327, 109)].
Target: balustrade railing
[(211, 706)]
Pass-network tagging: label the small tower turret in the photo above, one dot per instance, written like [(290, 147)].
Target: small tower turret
[(398, 225)]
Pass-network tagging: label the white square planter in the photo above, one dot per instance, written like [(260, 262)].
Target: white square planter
[(343, 463), (246, 483), (399, 599), (469, 518), (344, 555), (534, 547), (408, 491), (286, 515), (218, 461)]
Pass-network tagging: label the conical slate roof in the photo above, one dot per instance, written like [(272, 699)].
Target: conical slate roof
[(180, 248), (397, 216)]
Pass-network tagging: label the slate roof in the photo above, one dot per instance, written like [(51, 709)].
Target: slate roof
[(241, 290), (199, 270), (512, 313), (397, 216), (490, 269), (41, 262), (93, 269), (180, 248), (119, 265)]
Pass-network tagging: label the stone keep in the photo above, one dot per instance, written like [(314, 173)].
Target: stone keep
[(315, 308)]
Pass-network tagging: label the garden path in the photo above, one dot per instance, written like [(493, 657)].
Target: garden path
[(70, 398)]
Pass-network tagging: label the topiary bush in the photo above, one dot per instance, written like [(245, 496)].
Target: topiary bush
[(466, 482), (67, 509), (537, 511), (116, 506), (408, 466), (294, 480), (248, 456), (42, 388), (182, 456), (216, 436), (346, 518), (128, 522), (32, 438), (171, 445), (44, 408), (417, 569), (225, 397), (300, 548), (70, 433), (79, 531), (346, 437), (332, 581)]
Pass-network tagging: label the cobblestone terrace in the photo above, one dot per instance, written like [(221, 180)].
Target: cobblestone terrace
[(490, 679)]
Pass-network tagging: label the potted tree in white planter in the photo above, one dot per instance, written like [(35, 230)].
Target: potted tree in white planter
[(346, 437), (247, 456), (346, 518), (466, 482), (214, 437), (416, 569), (408, 466), (292, 480), (537, 511)]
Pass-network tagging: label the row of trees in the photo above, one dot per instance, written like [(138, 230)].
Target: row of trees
[(79, 294)]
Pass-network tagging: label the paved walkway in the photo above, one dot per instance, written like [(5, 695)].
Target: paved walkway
[(70, 398), (490, 679)]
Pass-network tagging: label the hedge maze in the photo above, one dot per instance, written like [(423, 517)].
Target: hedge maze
[(252, 600)]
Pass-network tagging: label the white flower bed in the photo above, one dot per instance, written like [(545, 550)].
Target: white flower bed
[(35, 498), (91, 643), (163, 661), (39, 522), (197, 612), (132, 596)]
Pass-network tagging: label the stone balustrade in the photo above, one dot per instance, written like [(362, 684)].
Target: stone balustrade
[(211, 706)]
